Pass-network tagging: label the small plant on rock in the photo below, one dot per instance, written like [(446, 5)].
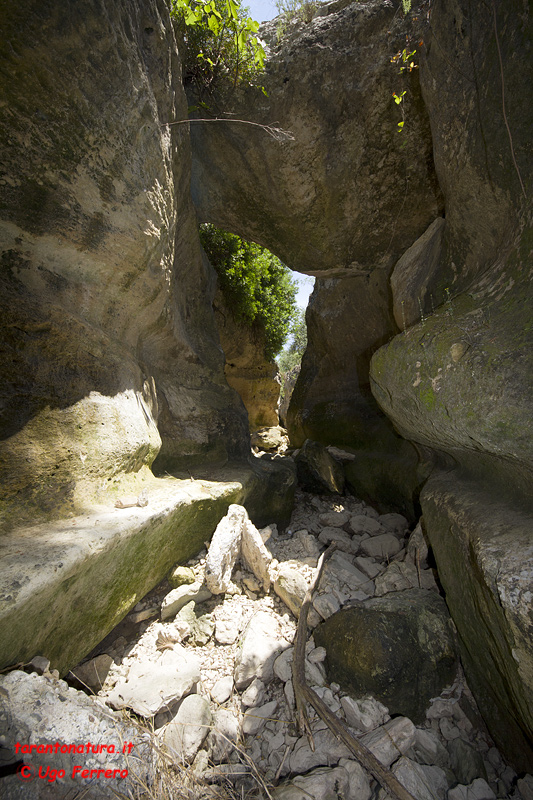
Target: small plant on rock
[(220, 45), (303, 10)]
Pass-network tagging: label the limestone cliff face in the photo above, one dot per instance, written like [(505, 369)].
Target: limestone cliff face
[(460, 381), (354, 203), (109, 356), (253, 377), (325, 201), (342, 200)]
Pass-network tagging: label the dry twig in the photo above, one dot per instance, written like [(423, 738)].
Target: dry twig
[(277, 133), (303, 693), (500, 59)]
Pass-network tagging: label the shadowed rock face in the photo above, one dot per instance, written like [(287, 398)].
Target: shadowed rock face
[(109, 352), (460, 382), (347, 319)]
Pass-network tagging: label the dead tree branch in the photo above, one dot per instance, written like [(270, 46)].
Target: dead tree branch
[(303, 693)]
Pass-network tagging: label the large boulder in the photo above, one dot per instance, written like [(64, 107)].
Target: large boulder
[(398, 648), (459, 383)]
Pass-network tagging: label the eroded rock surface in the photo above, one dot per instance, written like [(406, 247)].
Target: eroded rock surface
[(323, 209), (342, 200), (105, 294), (253, 377), (398, 648), (459, 382)]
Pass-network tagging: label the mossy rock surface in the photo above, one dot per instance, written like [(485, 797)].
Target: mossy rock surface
[(65, 585), (399, 648), (484, 551)]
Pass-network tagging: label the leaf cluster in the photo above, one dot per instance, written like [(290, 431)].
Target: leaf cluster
[(257, 286), (292, 355), (220, 47)]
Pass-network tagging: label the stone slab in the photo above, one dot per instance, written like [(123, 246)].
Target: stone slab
[(65, 585)]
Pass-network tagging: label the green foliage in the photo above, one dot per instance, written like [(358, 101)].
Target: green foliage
[(292, 355), (406, 4), (405, 59), (303, 10), (257, 287), (398, 99), (221, 48)]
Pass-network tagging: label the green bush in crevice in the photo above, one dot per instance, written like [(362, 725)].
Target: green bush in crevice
[(257, 286)]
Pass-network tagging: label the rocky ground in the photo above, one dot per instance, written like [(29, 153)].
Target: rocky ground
[(205, 662)]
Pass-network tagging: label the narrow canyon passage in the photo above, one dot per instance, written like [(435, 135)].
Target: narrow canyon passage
[(398, 178)]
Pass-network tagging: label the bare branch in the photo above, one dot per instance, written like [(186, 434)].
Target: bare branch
[(277, 133), (503, 100), (303, 693)]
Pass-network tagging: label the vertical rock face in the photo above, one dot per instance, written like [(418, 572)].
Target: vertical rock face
[(347, 319), (342, 201), (460, 382), (253, 377), (109, 352)]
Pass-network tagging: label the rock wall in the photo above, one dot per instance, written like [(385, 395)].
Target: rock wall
[(360, 206), (459, 382), (254, 378), (111, 362), (325, 200), (110, 356), (342, 200), (347, 319)]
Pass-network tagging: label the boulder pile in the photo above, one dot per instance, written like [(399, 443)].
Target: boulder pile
[(205, 660)]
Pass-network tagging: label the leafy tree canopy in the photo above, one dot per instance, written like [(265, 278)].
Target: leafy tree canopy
[(257, 286)]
